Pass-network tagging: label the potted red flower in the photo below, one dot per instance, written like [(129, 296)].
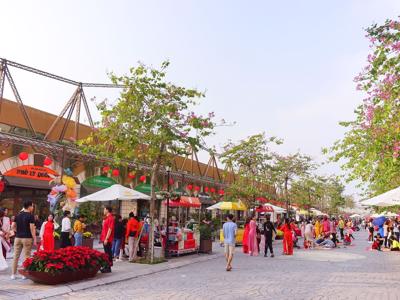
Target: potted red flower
[(64, 265)]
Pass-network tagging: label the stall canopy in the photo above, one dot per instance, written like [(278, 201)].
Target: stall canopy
[(355, 216), (389, 198), (265, 208), (114, 192), (184, 201), (228, 206), (275, 208)]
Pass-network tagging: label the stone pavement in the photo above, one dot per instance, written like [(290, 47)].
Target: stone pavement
[(26, 289), (346, 273)]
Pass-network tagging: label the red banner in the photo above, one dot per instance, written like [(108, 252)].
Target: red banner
[(32, 172)]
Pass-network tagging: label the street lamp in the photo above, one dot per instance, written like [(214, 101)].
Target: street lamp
[(168, 168)]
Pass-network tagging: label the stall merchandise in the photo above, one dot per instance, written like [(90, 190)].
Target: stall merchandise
[(183, 240)]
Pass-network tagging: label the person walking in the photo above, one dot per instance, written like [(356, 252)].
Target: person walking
[(66, 230), (341, 227), (317, 228), (245, 240), (287, 238), (79, 227), (229, 230), (308, 235), (118, 234), (107, 236), (269, 229), (132, 233), (253, 245), (47, 234), (333, 230), (25, 236)]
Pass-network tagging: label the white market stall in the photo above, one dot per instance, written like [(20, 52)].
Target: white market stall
[(389, 198), (114, 192)]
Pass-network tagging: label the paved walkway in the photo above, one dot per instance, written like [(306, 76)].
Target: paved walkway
[(346, 273)]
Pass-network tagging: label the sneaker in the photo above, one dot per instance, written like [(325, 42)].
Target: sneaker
[(272, 255), (13, 277), (265, 255)]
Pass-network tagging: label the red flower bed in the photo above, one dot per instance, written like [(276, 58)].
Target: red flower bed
[(66, 259)]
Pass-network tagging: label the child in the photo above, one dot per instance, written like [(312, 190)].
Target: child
[(394, 244), (378, 242), (347, 239)]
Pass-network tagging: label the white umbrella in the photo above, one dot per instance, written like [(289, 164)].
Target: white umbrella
[(277, 209), (390, 214), (355, 216), (389, 198), (115, 192)]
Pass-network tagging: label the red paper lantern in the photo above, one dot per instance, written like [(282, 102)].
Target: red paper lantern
[(47, 161), (115, 172), (23, 156), (206, 189), (197, 188), (143, 178), (221, 192), (131, 175), (2, 186), (106, 169), (212, 190), (189, 187), (171, 181)]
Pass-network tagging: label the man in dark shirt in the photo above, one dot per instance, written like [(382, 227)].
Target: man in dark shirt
[(25, 236), (268, 230)]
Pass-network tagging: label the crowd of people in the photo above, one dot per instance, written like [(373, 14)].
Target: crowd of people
[(121, 238), (317, 232)]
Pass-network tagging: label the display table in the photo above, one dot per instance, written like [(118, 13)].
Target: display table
[(183, 241)]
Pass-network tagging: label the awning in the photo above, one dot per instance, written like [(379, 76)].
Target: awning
[(206, 199), (265, 208), (145, 188), (184, 202), (28, 183)]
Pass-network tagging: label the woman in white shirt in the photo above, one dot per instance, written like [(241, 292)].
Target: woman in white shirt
[(308, 234)]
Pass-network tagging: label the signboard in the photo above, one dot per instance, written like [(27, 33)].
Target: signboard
[(32, 172), (99, 182)]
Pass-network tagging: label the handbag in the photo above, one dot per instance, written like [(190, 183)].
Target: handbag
[(132, 233)]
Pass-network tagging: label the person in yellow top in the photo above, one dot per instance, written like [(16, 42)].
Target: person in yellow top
[(79, 227), (341, 228), (317, 228)]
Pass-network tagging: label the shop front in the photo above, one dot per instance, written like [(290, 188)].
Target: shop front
[(27, 182)]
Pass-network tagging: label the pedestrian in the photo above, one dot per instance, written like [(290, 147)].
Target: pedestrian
[(47, 233), (107, 236), (229, 230), (269, 230), (118, 234), (66, 230), (317, 228), (386, 233), (326, 226), (25, 237), (333, 230), (131, 235), (341, 227), (287, 238), (371, 231), (245, 240), (5, 227), (308, 235), (79, 227), (396, 230), (253, 248)]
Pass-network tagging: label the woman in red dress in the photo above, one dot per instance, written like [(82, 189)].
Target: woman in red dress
[(47, 234), (245, 241), (287, 238)]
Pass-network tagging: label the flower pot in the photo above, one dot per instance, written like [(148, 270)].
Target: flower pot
[(58, 278), (205, 246), (88, 242)]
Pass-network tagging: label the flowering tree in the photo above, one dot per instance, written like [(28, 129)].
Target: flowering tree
[(150, 123), (248, 159), (370, 148)]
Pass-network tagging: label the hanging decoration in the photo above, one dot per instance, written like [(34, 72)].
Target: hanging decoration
[(115, 173), (171, 181), (197, 188), (206, 189), (23, 156), (47, 161), (131, 175), (143, 178), (221, 192), (106, 169), (2, 186), (212, 190), (189, 187)]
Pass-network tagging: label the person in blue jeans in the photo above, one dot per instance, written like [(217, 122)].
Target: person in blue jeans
[(118, 235)]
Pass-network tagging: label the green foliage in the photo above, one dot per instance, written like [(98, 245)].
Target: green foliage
[(370, 149), (205, 232)]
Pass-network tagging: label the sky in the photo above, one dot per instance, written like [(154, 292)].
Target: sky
[(285, 68)]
